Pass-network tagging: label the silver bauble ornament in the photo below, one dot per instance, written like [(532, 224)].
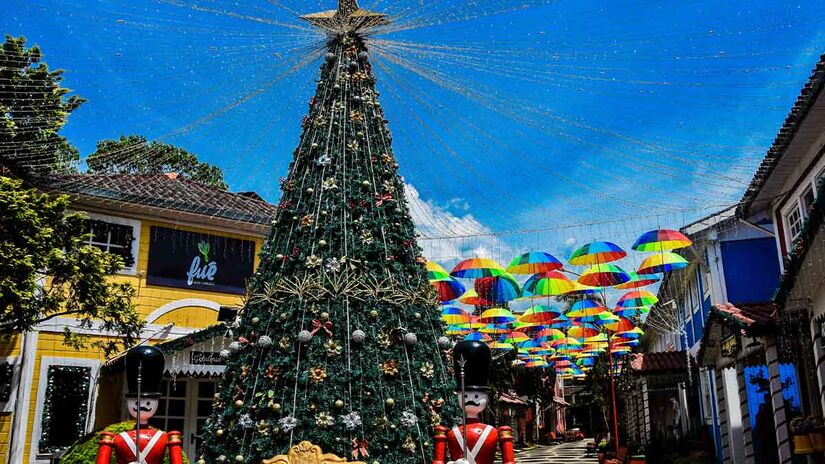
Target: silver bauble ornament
[(358, 336), (444, 343), (304, 336), (240, 458), (224, 354), (265, 341), (234, 346), (410, 339)]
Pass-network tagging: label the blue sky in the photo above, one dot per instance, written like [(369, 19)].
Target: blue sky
[(546, 121)]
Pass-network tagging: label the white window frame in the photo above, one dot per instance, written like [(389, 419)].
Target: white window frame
[(132, 270), (16, 369), (793, 206), (42, 385)]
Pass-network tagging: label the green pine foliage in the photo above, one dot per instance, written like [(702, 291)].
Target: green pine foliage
[(49, 270), (84, 451), (134, 154), (341, 261), (33, 109)]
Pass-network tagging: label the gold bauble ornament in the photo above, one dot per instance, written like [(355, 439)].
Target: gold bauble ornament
[(276, 407), (239, 403), (219, 432), (374, 313), (390, 402), (339, 404), (239, 458)]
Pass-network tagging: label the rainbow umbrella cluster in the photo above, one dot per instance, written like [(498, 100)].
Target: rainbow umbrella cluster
[(543, 336)]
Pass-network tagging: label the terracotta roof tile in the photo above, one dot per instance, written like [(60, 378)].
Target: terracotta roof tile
[(659, 362), (165, 191), (749, 314)]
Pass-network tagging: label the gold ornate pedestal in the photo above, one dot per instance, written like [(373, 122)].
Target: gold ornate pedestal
[(307, 453)]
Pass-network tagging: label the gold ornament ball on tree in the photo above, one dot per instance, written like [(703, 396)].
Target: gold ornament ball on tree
[(239, 458), (219, 432), (389, 402), (239, 403), (276, 407), (339, 404), (374, 314)]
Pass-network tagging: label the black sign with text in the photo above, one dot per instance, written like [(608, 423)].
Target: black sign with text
[(184, 259), (208, 358)]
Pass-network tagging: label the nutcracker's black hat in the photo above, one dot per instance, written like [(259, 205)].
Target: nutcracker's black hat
[(476, 357), (149, 360)]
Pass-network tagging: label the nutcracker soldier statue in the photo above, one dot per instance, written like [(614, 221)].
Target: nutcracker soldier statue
[(473, 442), (143, 445)]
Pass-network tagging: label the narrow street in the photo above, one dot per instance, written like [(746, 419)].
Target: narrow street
[(574, 452)]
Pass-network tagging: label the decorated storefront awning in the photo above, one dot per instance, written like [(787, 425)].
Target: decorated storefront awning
[(197, 354)]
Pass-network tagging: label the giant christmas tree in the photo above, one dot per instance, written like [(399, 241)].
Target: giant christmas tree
[(339, 342)]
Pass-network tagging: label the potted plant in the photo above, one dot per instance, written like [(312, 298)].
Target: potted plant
[(801, 441), (816, 433), (601, 451)]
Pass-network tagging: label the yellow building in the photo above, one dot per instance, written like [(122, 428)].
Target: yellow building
[(190, 249)]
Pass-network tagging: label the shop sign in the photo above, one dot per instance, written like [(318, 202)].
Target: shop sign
[(729, 347), (209, 358), (192, 260)]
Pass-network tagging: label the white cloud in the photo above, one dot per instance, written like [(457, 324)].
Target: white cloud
[(448, 238)]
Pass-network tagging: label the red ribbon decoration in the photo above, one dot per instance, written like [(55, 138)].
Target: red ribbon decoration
[(359, 447), (318, 325), (385, 198)]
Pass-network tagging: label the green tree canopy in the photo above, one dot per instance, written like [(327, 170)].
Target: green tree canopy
[(133, 154), (33, 109), (48, 270)]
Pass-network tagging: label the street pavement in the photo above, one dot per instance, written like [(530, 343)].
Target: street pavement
[(573, 452)]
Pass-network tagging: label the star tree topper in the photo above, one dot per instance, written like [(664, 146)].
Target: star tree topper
[(347, 18)]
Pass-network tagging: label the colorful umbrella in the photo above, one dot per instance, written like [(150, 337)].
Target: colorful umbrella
[(495, 329), (497, 316), (604, 275), (500, 346), (583, 331), (514, 337), (498, 289), (566, 341), (637, 299), (518, 325), (661, 240), (621, 324), (448, 289), (579, 289), (602, 318), (585, 308), (631, 334), (534, 262), (596, 253), (470, 297), (551, 283), (436, 272), (637, 281), (476, 336), (549, 335), (540, 314), (456, 329), (453, 315), (631, 312), (475, 268), (661, 262)]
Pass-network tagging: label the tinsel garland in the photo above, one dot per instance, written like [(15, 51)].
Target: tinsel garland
[(68, 385)]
